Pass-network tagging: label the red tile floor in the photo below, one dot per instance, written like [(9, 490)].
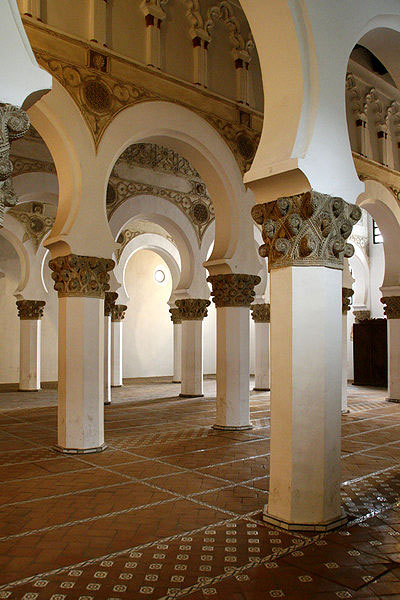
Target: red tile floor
[(172, 509)]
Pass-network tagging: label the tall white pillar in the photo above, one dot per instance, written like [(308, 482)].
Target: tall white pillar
[(346, 295), (392, 311), (192, 311), (200, 58), (30, 313), (97, 21), (117, 317), (177, 326), (232, 294), (305, 241), (109, 302), (80, 282), (261, 318), (154, 16)]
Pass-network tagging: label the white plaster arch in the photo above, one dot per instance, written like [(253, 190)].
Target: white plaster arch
[(11, 232), (194, 138), (360, 272), (384, 209), (175, 222), (161, 246), (40, 183)]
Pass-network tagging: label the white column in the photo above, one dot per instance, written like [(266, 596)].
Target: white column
[(392, 311), (177, 329), (153, 15), (261, 317), (116, 353), (242, 59), (347, 293), (192, 311), (30, 313), (80, 282), (306, 356), (97, 21), (200, 59), (31, 8), (107, 359)]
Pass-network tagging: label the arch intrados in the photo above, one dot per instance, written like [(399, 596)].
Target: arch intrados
[(381, 35), (36, 183), (16, 243), (190, 135)]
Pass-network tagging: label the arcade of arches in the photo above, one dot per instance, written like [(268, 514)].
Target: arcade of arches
[(200, 299)]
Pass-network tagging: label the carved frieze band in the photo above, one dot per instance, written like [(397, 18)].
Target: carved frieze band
[(110, 299), (193, 309), (233, 289), (14, 123), (118, 312), (347, 293), (361, 315), (30, 310), (392, 308), (175, 316), (308, 229), (261, 313), (82, 276)]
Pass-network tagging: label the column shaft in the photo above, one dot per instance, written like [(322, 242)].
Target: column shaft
[(177, 376), (344, 364), (107, 359), (116, 353), (261, 334), (394, 360), (192, 358), (29, 355)]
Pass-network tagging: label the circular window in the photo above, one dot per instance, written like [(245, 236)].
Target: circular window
[(159, 276)]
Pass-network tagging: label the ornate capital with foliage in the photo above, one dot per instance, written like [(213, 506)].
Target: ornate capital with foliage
[(233, 289), (118, 312), (392, 308), (261, 313), (81, 276), (110, 299), (30, 310), (192, 309), (308, 229), (175, 316), (14, 123), (347, 293), (361, 315)]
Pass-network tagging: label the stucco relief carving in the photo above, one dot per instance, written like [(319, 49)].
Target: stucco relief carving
[(14, 123), (309, 229), (175, 316), (100, 98), (24, 164), (30, 310), (81, 276), (159, 158), (192, 309), (361, 315), (392, 308), (118, 312), (233, 289), (129, 234), (347, 293), (261, 313), (110, 299), (37, 219)]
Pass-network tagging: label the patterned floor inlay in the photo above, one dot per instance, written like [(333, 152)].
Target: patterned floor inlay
[(172, 509)]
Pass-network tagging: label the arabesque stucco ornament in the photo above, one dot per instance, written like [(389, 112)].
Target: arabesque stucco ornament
[(192, 309), (81, 276), (233, 289), (118, 312), (309, 229), (347, 293), (175, 316), (110, 299), (392, 308), (30, 310), (261, 313)]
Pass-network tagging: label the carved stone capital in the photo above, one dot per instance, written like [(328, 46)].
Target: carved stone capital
[(392, 308), (14, 123), (308, 229), (175, 316), (81, 276), (361, 315), (261, 313), (233, 289), (110, 299), (347, 293), (118, 312), (30, 310), (192, 309)]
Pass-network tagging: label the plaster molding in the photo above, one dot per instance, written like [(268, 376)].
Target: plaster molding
[(175, 316), (24, 164), (392, 308), (347, 293), (110, 299), (233, 289), (361, 315), (81, 276), (30, 310), (36, 223), (128, 234), (261, 313), (192, 309), (118, 312), (309, 229)]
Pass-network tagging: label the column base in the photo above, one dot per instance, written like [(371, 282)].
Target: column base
[(118, 385), (345, 412), (261, 389), (79, 450), (232, 427), (325, 526), (34, 390), (397, 400), (176, 381), (107, 403), (191, 395)]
